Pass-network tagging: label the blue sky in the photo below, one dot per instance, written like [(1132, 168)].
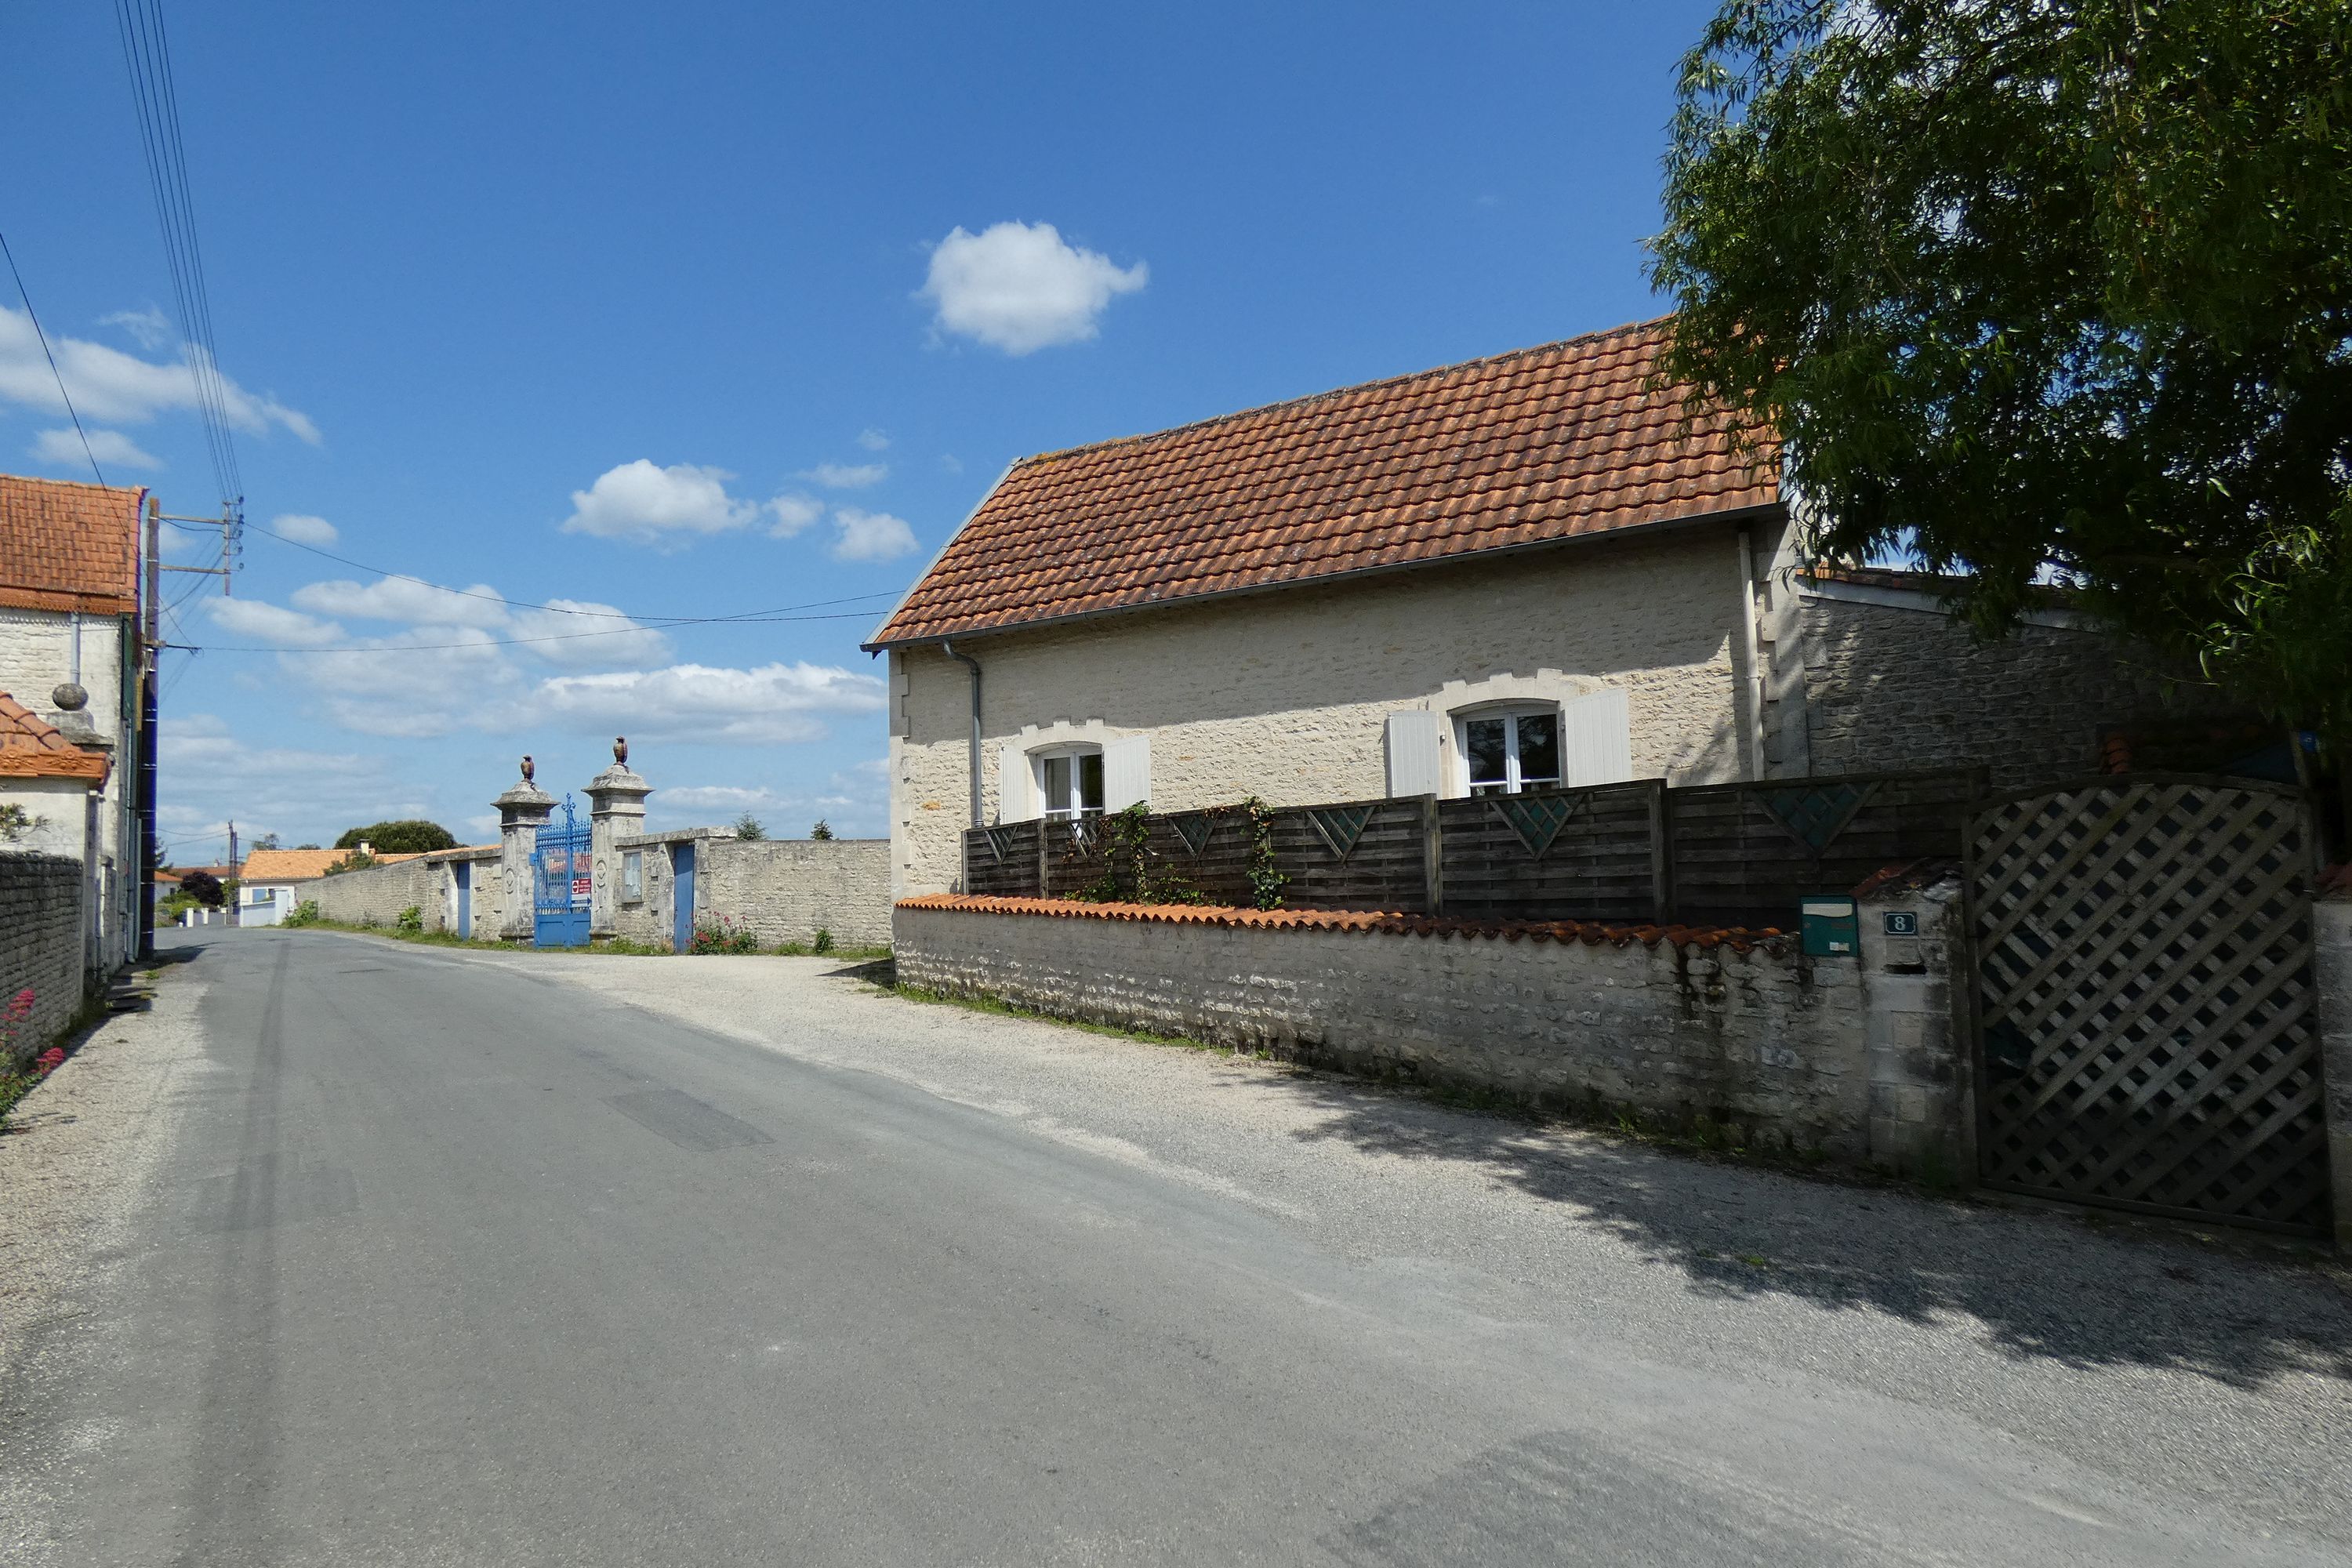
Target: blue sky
[(665, 311)]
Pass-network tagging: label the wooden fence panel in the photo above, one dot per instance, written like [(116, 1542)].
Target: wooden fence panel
[(1565, 855), (1002, 862), (1746, 853), (1355, 855)]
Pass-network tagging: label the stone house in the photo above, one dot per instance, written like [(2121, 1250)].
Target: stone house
[(1522, 572), (71, 651)]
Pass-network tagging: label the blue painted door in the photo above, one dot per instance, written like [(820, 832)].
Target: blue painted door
[(682, 888), (560, 873), (465, 869)]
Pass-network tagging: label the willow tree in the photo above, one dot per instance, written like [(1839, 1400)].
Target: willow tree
[(2045, 290)]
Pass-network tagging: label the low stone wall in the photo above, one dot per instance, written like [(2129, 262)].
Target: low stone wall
[(1857, 1058), (487, 894), (41, 941), (2331, 930), (781, 890), (377, 895)]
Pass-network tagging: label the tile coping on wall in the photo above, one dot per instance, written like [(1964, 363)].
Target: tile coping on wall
[(1370, 922), (685, 835)]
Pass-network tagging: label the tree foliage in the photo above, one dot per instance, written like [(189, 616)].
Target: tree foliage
[(204, 887), (2043, 291), (748, 826), (410, 835)]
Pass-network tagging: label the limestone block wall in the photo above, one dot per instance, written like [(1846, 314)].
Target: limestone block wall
[(41, 942), (377, 895), (2331, 932), (1887, 689), (1285, 695), (1787, 1050), (783, 889)]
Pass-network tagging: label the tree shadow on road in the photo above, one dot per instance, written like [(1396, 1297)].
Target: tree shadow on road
[(2084, 1289)]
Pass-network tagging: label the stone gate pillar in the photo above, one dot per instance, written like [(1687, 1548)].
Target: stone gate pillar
[(523, 810), (617, 808)]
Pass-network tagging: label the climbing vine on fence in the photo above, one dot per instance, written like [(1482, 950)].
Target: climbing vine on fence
[(1266, 880)]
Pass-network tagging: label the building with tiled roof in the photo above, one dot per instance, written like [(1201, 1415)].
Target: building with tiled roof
[(1528, 573), (71, 652)]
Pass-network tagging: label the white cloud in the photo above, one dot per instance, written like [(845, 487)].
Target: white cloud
[(271, 624), (773, 703), (304, 529), (874, 440), (870, 535), (794, 513), (643, 503), (617, 639), (1021, 288), (111, 447), (111, 386), (150, 327), (206, 777), (844, 477), (399, 599)]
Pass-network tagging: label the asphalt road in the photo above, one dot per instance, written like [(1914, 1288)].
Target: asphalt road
[(457, 1259)]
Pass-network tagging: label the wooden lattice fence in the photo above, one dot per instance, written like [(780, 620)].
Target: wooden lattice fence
[(2145, 1004)]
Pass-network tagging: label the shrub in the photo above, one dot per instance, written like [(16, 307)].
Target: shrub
[(412, 919), (748, 826), (722, 935), (822, 942), (204, 887), (305, 913), (409, 835), (822, 830)]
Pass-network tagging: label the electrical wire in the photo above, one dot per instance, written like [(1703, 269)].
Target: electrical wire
[(517, 642), (52, 358), (146, 57)]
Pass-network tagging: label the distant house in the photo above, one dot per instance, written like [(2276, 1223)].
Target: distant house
[(1519, 573), (72, 654)]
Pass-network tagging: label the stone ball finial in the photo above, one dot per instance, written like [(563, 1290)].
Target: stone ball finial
[(621, 749), (528, 770), (69, 697)]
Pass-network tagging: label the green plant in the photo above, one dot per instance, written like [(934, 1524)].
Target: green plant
[(357, 861), (721, 933), (822, 942), (1266, 880), (305, 913), (822, 830), (748, 826), (409, 835), (2034, 292), (15, 822), (412, 919)]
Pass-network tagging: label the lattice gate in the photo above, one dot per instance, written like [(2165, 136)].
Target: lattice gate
[(2147, 1034)]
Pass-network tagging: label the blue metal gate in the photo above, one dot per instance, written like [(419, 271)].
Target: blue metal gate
[(560, 878), (465, 873), (682, 889)]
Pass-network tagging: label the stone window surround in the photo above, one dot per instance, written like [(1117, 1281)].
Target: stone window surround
[(1459, 699), (1037, 741)]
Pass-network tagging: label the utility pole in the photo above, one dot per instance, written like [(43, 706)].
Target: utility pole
[(231, 522), (233, 861)]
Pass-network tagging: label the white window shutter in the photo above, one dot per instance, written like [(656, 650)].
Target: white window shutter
[(1599, 732), (1413, 754), (1126, 772), (1016, 791)]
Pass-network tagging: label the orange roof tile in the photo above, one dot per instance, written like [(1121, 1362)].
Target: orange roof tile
[(31, 747), (301, 865), (69, 547), (1546, 444), (1591, 933)]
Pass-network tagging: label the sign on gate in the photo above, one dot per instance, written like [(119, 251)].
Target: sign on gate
[(562, 882), (2144, 1002)]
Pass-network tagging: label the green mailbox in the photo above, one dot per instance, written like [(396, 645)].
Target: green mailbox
[(1831, 930)]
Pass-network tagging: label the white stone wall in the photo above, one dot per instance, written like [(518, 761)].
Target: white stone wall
[(377, 895), (41, 945), (1285, 695), (781, 890), (36, 650)]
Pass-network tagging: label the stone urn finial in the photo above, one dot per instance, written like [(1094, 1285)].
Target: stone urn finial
[(526, 769), (621, 751), (70, 698)]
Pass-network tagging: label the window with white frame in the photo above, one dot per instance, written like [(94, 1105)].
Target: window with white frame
[(1508, 750), (633, 875), (1069, 781)]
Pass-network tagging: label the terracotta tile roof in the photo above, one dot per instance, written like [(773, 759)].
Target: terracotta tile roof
[(1365, 921), (1541, 444), (69, 547), (31, 747), (301, 865)]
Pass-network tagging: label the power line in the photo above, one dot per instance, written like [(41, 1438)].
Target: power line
[(146, 57), (51, 358), (517, 642)]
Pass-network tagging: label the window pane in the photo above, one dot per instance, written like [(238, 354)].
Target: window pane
[(1090, 791), (1057, 783), (1538, 748), (1482, 747)]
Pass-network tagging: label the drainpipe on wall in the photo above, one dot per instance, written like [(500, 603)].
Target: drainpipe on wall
[(1755, 656), (948, 647)]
